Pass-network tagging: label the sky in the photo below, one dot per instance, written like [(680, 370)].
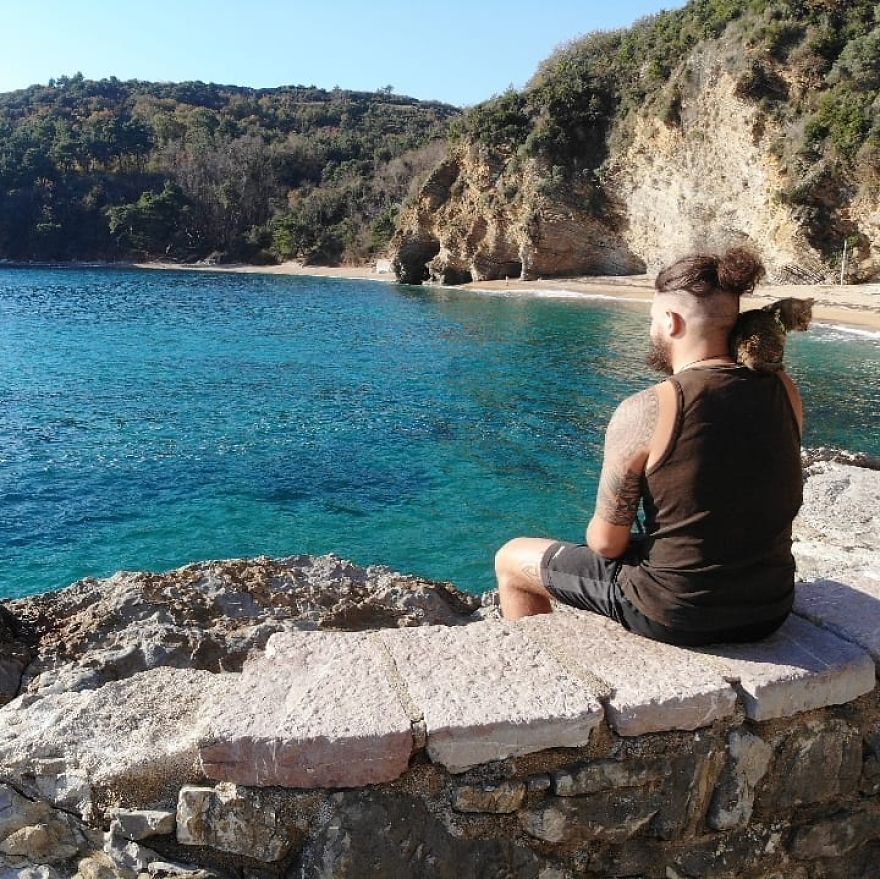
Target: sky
[(458, 51)]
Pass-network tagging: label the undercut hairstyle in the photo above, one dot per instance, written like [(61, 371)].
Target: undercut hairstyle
[(737, 271)]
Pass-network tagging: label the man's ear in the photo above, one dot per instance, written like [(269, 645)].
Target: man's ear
[(675, 324)]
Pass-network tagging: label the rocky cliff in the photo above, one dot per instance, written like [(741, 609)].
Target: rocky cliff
[(477, 219), (756, 129)]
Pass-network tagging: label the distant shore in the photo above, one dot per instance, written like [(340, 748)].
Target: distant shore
[(855, 305), (285, 268)]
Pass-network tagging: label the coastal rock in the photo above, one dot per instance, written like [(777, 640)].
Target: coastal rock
[(710, 180), (816, 459), (16, 651), (127, 736), (467, 225), (208, 616), (837, 530)]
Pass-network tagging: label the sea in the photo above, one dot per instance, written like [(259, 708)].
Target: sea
[(149, 419)]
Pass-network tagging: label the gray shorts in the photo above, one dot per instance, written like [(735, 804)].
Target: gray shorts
[(575, 575)]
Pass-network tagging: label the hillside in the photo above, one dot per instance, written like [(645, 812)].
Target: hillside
[(727, 121), (113, 170)]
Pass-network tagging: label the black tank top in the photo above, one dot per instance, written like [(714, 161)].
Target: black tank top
[(719, 506)]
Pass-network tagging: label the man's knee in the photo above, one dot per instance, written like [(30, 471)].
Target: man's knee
[(506, 557)]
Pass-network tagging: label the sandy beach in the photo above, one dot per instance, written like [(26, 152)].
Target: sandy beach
[(856, 306), (285, 268)]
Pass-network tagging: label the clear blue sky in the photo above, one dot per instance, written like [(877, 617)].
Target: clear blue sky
[(460, 51)]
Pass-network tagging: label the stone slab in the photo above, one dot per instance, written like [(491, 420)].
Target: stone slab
[(800, 667), (653, 687), (488, 692), (317, 709), (848, 605)]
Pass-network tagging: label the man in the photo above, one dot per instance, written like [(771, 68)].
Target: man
[(713, 454)]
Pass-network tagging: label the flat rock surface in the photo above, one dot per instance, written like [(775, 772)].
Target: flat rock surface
[(318, 710), (651, 686), (800, 667), (838, 526), (487, 692), (848, 605), (137, 736)]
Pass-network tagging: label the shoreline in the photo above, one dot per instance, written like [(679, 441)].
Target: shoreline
[(855, 306), (848, 306), (352, 273)]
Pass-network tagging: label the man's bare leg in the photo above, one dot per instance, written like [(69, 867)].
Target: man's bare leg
[(517, 567)]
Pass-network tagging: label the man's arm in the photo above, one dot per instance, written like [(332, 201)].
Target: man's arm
[(627, 444)]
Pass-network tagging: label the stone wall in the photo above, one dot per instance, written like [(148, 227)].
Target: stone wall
[(439, 740)]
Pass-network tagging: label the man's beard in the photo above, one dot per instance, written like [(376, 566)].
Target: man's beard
[(658, 357)]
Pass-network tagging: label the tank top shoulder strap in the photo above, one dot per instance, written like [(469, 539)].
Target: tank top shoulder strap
[(674, 420)]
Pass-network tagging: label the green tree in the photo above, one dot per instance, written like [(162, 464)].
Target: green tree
[(155, 223)]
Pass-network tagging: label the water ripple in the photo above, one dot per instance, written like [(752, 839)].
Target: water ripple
[(149, 419)]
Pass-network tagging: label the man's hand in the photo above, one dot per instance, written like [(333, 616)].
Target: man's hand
[(627, 445)]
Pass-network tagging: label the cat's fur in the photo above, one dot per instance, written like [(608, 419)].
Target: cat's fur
[(758, 338)]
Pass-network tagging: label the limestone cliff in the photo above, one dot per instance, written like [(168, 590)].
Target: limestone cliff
[(478, 218), (709, 179), (762, 135)]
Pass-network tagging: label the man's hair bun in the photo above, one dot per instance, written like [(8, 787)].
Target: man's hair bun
[(739, 270)]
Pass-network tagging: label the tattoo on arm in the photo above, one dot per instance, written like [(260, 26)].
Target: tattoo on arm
[(627, 442)]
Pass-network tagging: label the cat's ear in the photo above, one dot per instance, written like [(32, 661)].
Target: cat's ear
[(809, 302)]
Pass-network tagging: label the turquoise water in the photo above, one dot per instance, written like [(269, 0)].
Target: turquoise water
[(149, 419)]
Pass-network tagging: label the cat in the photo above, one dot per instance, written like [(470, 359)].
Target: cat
[(758, 337)]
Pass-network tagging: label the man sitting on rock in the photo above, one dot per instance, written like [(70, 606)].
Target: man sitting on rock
[(713, 453)]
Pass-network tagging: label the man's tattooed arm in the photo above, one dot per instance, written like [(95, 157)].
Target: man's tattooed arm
[(627, 443)]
